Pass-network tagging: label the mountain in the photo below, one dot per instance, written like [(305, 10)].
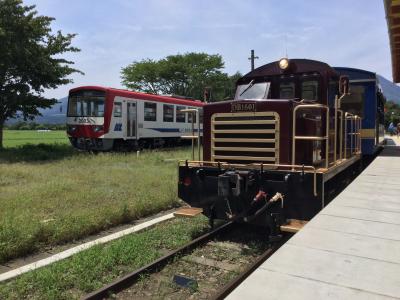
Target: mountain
[(389, 89), (57, 114)]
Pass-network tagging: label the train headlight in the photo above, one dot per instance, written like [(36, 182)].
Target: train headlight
[(284, 63), (97, 128)]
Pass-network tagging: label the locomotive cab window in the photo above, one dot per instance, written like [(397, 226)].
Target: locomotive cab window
[(180, 116), (309, 90), (168, 114), (287, 90), (117, 109), (150, 111), (251, 90)]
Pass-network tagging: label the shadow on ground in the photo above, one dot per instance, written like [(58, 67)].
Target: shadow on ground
[(36, 153), (391, 148)]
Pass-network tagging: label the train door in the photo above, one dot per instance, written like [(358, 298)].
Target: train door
[(131, 119)]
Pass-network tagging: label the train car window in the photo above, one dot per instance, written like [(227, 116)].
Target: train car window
[(287, 90), (309, 90), (180, 116), (168, 113), (252, 90), (354, 102), (150, 111), (117, 109), (190, 115)]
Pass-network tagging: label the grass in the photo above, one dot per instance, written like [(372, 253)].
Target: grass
[(15, 138), (51, 194), (37, 153), (91, 269)]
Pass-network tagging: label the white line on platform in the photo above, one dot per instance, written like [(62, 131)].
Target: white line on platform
[(77, 249)]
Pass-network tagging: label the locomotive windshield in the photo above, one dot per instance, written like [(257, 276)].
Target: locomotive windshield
[(259, 90), (86, 104)]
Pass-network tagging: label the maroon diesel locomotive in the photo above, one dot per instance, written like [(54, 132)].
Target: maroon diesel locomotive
[(278, 150)]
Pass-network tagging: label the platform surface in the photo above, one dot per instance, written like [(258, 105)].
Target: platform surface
[(350, 250)]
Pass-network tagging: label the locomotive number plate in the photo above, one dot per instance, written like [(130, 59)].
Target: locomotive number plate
[(243, 107)]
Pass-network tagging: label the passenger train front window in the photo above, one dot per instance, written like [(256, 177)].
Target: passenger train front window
[(80, 105), (309, 90), (287, 90), (251, 90)]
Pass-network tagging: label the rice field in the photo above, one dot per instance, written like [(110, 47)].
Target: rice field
[(15, 138)]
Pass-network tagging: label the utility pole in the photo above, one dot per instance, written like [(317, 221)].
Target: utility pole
[(252, 58)]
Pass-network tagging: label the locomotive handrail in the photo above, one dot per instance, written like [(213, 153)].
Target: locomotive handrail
[(315, 138), (301, 168), (338, 105), (341, 134), (306, 137), (194, 112), (355, 135), (354, 130)]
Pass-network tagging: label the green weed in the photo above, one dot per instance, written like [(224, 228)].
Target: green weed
[(48, 201), (91, 269)]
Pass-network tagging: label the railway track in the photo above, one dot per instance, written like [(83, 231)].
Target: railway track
[(218, 260)]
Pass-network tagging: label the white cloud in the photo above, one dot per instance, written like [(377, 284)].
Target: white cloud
[(114, 33)]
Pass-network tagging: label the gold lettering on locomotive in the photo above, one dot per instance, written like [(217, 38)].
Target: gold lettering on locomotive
[(243, 107)]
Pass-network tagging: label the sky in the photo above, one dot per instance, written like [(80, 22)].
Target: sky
[(114, 33)]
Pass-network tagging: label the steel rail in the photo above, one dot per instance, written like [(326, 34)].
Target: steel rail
[(234, 283), (129, 279)]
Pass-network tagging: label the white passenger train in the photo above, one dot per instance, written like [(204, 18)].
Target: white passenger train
[(102, 119)]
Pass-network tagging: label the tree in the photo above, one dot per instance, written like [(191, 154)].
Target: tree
[(392, 113), (182, 74), (30, 61)]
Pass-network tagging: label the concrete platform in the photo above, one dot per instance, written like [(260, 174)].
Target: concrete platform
[(350, 250)]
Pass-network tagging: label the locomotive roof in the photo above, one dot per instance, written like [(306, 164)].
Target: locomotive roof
[(296, 66), (144, 96), (355, 74)]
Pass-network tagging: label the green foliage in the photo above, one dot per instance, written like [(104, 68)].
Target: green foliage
[(186, 75), (22, 125), (392, 113), (30, 60)]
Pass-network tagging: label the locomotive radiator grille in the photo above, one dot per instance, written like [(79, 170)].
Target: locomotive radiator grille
[(246, 137)]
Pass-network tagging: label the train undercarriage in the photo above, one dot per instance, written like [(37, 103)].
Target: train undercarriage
[(262, 195), (101, 144)]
